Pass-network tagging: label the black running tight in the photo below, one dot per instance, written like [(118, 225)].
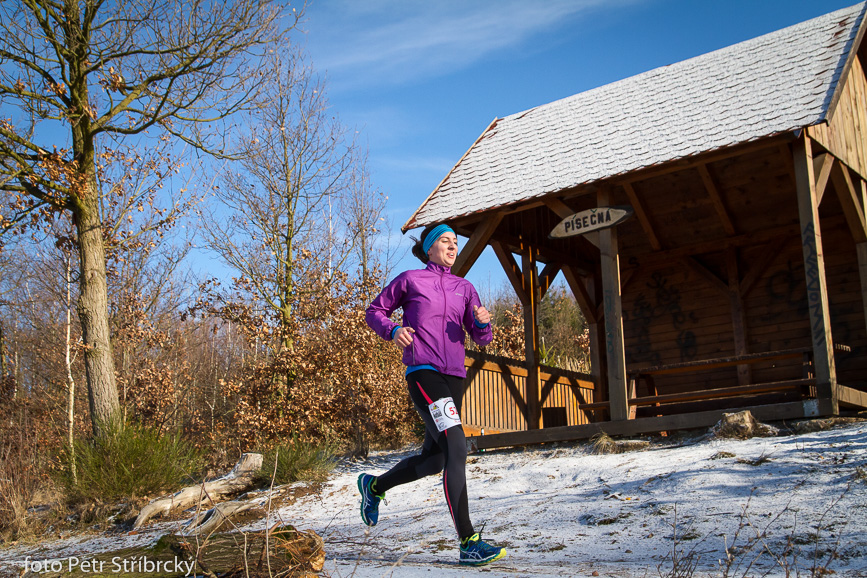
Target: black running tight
[(444, 451)]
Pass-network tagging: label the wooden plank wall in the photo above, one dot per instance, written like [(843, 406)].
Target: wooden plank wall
[(495, 394), (844, 135), (845, 303), (672, 314), (491, 404)]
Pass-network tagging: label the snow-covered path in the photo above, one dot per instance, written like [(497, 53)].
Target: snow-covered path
[(568, 512), (564, 511)]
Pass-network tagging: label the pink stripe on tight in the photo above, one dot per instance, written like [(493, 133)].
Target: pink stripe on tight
[(449, 502), (421, 389), (445, 474)]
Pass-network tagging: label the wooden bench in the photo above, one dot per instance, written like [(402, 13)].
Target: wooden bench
[(646, 374)]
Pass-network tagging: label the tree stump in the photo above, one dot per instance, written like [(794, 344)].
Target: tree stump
[(742, 425)]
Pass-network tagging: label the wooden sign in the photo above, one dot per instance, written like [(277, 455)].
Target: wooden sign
[(591, 220)]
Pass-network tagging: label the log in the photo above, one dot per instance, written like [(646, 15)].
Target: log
[(281, 552), (211, 521), (239, 480)]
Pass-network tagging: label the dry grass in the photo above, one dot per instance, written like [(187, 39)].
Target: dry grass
[(602, 443)]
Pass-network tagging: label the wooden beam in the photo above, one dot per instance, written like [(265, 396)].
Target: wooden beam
[(583, 289), (581, 294), (739, 318), (512, 270), (643, 219), (562, 210), (698, 365), (850, 201), (699, 269), (814, 269), (546, 277), (822, 167), (718, 245), (853, 397), (780, 141), (548, 254), (559, 208), (476, 243), (861, 249), (707, 159), (745, 389), (716, 199), (614, 342), (760, 266), (786, 154), (531, 337)]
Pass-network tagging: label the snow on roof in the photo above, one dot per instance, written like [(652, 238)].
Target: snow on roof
[(769, 85)]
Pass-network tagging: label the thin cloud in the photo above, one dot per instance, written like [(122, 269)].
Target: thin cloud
[(417, 164), (394, 42)]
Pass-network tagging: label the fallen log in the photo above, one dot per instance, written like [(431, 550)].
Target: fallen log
[(211, 520), (239, 480), (281, 552)]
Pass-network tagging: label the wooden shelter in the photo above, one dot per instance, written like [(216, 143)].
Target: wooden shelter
[(741, 279)]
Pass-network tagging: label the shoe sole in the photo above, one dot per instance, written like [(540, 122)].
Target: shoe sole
[(361, 491), (501, 554)]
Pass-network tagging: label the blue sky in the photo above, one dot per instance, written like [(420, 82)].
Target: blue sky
[(421, 80)]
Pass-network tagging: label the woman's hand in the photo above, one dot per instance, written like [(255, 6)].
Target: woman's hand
[(481, 314), (403, 336)]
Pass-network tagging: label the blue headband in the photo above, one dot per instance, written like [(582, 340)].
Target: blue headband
[(435, 234)]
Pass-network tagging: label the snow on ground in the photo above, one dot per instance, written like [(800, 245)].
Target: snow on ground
[(565, 511)]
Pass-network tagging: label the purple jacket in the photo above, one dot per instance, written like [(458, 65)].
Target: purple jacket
[(439, 307)]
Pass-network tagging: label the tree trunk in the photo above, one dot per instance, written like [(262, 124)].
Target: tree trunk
[(93, 314), (70, 381), (2, 352)]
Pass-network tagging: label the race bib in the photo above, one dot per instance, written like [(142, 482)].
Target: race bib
[(444, 413)]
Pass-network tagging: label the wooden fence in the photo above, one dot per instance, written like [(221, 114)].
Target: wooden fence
[(495, 395)]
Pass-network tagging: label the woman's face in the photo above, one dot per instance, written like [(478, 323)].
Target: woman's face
[(444, 250)]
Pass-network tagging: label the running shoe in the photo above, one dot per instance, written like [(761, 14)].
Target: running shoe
[(369, 499), (475, 552)]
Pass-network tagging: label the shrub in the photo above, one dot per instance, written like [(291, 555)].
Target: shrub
[(129, 462), (19, 480), (24, 461), (298, 461)]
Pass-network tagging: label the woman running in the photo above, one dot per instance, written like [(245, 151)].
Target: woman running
[(439, 309)]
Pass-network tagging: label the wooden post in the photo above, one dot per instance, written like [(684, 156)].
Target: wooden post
[(739, 322), (862, 254), (584, 290), (531, 336), (862, 270), (476, 244), (614, 346), (852, 201), (598, 359), (814, 270)]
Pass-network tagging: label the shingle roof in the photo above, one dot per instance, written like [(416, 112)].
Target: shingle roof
[(776, 83)]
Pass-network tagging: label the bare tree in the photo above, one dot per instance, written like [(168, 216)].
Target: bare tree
[(82, 73), (364, 209), (276, 214)]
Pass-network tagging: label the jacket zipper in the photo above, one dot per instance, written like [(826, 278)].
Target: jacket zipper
[(445, 310)]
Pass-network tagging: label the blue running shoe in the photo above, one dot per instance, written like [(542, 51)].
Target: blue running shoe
[(475, 552), (369, 499)]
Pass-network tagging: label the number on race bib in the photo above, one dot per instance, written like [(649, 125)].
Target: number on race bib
[(444, 413)]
